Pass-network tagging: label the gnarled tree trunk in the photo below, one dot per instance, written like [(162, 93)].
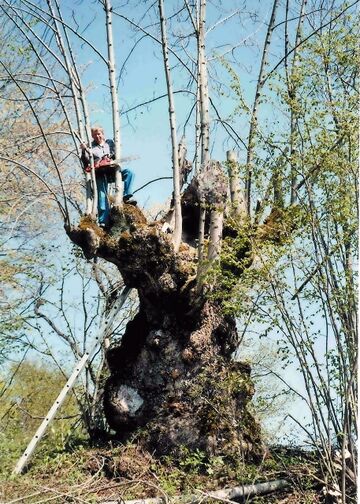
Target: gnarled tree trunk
[(172, 373)]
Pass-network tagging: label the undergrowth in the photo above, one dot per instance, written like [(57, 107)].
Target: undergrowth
[(125, 472)]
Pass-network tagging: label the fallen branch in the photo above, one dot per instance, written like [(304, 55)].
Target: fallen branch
[(227, 494)]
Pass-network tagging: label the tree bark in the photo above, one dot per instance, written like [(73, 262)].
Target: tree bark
[(203, 87), (226, 494), (236, 193), (216, 228), (254, 116)]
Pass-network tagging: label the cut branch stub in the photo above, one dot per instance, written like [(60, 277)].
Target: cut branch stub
[(212, 185), (236, 193)]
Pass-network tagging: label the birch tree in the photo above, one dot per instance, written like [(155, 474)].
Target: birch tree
[(114, 101), (174, 143)]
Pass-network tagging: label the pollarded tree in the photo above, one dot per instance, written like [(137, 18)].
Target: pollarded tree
[(173, 373), (179, 338)]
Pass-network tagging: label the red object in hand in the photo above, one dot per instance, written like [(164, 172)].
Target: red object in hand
[(103, 166), (102, 163)]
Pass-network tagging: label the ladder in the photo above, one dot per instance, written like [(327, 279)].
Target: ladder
[(104, 332)]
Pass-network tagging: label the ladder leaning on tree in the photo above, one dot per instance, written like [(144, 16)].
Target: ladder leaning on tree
[(104, 332)]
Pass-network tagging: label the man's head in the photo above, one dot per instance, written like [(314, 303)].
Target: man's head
[(98, 135)]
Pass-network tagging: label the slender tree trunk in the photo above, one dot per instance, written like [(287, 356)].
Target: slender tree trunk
[(196, 23), (215, 236), (114, 102), (203, 108), (197, 131), (78, 96), (293, 114), (172, 118), (254, 115), (203, 87)]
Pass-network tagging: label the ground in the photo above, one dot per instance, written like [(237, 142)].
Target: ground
[(116, 472)]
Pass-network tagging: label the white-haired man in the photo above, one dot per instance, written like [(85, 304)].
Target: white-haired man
[(105, 149)]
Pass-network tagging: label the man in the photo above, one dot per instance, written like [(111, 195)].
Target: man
[(105, 150)]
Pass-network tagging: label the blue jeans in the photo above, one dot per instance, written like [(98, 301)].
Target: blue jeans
[(128, 179), (102, 189)]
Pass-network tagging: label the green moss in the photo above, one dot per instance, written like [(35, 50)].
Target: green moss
[(278, 227)]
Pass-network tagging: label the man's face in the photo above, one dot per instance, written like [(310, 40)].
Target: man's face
[(98, 136)]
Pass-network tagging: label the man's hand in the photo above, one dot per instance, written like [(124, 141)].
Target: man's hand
[(84, 147)]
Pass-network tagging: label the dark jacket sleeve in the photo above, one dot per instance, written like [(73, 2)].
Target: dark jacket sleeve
[(85, 158)]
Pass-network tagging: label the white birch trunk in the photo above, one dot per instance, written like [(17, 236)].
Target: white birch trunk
[(94, 206), (197, 111), (216, 228), (175, 160), (78, 99), (89, 194), (197, 131), (203, 87), (203, 111), (118, 197), (91, 199), (182, 150)]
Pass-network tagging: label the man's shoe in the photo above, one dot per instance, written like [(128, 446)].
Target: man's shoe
[(128, 200)]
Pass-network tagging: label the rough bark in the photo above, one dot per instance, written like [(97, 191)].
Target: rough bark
[(237, 197), (172, 375)]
